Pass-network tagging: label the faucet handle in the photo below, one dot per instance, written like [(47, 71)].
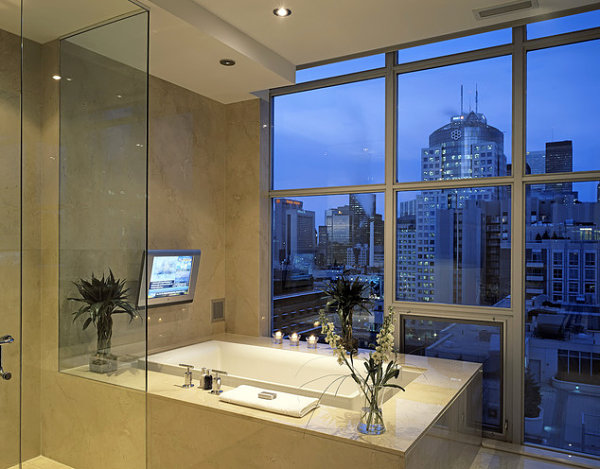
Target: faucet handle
[(6, 339), (217, 382), (187, 376)]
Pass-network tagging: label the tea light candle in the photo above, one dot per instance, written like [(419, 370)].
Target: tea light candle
[(278, 336), (294, 339), (311, 341)]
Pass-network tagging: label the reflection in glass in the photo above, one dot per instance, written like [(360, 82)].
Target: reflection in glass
[(340, 68), (339, 130), (314, 241), (474, 342), (453, 246), (562, 131), (562, 341), (455, 46), (453, 122), (566, 24), (102, 218)]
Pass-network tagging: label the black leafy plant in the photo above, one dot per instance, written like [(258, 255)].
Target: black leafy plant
[(346, 296), (101, 298), (533, 397)]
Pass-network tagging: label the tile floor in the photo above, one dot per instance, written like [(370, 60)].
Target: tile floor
[(486, 459), (493, 459)]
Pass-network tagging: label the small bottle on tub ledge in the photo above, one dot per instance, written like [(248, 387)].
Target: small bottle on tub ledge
[(207, 379)]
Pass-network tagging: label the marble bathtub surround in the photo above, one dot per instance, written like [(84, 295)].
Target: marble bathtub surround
[(409, 415)]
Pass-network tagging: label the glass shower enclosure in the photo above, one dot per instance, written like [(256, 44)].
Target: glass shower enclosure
[(73, 207)]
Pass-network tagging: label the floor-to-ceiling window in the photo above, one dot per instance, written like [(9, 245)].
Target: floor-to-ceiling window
[(457, 180)]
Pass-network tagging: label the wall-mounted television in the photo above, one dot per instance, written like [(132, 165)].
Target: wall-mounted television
[(170, 275)]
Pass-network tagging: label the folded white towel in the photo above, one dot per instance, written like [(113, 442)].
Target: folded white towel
[(285, 403)]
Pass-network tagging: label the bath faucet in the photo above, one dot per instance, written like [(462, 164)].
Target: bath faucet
[(217, 382), (187, 376)]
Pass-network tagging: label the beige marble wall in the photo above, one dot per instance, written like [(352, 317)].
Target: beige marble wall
[(10, 196), (247, 244), (186, 204), (14, 308), (204, 182)]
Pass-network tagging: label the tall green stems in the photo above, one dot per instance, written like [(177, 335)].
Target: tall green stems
[(380, 369)]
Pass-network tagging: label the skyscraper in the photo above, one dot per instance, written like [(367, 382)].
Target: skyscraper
[(293, 231), (559, 159), (448, 220)]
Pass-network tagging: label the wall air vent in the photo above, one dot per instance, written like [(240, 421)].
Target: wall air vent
[(504, 8), (217, 310)]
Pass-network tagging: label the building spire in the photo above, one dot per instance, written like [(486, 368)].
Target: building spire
[(476, 100), (461, 99)]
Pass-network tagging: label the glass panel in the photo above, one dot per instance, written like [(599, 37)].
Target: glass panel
[(566, 24), (102, 222), (341, 68), (453, 246), (455, 46), (317, 239), (339, 129), (473, 342), (562, 330), (10, 231), (562, 131), (447, 133)]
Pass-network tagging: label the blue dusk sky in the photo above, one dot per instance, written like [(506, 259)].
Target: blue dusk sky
[(335, 136)]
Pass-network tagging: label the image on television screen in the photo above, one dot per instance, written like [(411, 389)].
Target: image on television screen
[(170, 276)]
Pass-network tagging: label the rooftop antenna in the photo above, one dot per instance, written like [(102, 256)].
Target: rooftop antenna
[(461, 100), (476, 100)]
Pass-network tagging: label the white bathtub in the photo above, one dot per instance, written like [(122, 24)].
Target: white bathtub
[(294, 371)]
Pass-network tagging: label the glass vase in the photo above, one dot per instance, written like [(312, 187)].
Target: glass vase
[(371, 417)]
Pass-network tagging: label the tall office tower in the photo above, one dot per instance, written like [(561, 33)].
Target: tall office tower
[(464, 148), (337, 230), (406, 255), (294, 234), (598, 193), (536, 161), (559, 159), (447, 266)]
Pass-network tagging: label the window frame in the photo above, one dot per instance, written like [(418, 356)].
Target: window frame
[(513, 318)]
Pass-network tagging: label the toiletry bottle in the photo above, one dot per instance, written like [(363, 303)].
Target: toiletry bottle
[(202, 378), (207, 381)]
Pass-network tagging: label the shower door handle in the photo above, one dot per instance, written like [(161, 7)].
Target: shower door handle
[(5, 340)]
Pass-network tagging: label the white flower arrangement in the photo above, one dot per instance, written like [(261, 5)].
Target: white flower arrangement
[(381, 368)]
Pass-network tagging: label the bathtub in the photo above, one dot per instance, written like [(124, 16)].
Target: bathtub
[(308, 373)]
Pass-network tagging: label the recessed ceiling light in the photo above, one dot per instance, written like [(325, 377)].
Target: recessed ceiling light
[(56, 77), (227, 62), (282, 12)]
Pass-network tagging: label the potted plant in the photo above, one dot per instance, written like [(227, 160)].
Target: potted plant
[(101, 298), (345, 296), (534, 414)]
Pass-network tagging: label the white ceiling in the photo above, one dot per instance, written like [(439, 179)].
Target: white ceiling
[(325, 29), (189, 37)]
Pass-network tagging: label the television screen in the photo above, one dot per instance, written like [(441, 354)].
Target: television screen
[(170, 277)]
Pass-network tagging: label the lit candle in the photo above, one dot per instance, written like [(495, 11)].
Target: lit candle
[(294, 339), (278, 336), (311, 341)]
